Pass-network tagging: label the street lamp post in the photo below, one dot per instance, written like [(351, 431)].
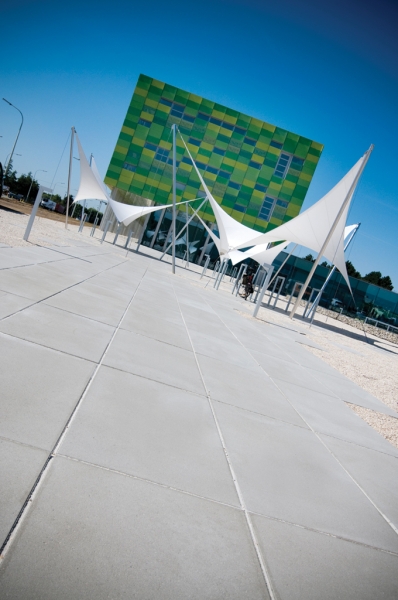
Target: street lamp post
[(33, 179), (16, 139)]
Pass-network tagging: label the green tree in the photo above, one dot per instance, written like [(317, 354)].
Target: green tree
[(309, 257), (351, 270), (376, 278)]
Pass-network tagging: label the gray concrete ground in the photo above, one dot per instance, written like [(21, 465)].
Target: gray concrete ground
[(155, 443)]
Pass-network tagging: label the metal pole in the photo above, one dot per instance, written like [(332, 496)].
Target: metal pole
[(144, 226), (186, 212), (205, 265), (33, 179), (221, 266), (263, 289), (106, 230), (119, 227), (173, 259), (183, 229), (328, 278), (34, 211), (331, 232), (284, 262), (222, 273), (16, 139), (241, 272), (69, 176)]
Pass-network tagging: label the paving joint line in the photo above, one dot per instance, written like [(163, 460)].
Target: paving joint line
[(59, 292), (30, 497), (260, 558), (387, 520), (150, 481)]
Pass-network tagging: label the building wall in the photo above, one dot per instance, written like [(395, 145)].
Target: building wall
[(258, 172)]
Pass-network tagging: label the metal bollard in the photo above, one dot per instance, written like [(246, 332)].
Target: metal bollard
[(106, 230)]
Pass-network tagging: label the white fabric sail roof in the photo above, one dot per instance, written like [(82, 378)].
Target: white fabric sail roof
[(258, 253), (311, 227), (92, 188), (232, 233), (89, 187)]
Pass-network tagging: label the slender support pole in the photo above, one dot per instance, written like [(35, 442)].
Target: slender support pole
[(34, 210), (142, 232), (118, 230), (186, 211), (105, 231), (263, 289), (331, 232), (284, 262), (185, 227), (69, 176), (314, 306), (222, 273), (16, 139), (220, 269), (205, 265), (242, 270), (173, 254)]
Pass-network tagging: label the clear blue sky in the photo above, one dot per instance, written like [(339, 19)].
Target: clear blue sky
[(326, 70)]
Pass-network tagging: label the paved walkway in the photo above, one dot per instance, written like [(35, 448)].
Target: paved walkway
[(157, 444)]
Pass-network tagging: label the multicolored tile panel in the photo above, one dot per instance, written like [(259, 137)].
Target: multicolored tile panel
[(258, 172)]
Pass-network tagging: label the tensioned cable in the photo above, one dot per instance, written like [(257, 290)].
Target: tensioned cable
[(63, 151)]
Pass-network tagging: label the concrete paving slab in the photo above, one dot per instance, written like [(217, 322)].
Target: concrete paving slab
[(348, 391), (91, 301), (93, 533), (155, 360), (17, 257), (290, 372), (154, 431), (169, 328), (285, 472), (227, 348), (252, 391), (59, 330), (331, 416), (34, 282), (10, 303), (19, 467), (376, 473), (307, 564), (39, 390)]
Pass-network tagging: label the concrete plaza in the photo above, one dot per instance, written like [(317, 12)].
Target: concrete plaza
[(157, 444)]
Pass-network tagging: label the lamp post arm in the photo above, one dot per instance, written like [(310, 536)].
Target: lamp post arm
[(16, 139)]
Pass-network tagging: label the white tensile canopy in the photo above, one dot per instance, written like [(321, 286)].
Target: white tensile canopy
[(311, 227), (232, 233), (92, 188), (261, 253)]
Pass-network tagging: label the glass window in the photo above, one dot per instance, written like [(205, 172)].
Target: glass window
[(250, 141), (194, 141), (282, 203), (239, 130), (240, 208), (260, 188), (186, 160), (215, 121), (149, 109), (219, 151), (176, 113), (212, 170), (144, 122), (151, 146), (129, 167), (165, 102), (203, 116), (188, 118), (275, 144), (227, 126), (180, 186), (254, 164), (297, 163), (201, 165), (234, 185), (266, 209), (282, 165), (224, 174)]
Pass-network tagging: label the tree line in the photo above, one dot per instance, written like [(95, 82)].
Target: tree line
[(374, 277)]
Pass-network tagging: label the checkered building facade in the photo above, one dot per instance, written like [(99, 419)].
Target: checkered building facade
[(259, 173)]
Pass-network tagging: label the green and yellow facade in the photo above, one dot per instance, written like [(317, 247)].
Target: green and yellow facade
[(258, 172)]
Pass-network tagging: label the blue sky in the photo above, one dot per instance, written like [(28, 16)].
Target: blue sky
[(328, 71)]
